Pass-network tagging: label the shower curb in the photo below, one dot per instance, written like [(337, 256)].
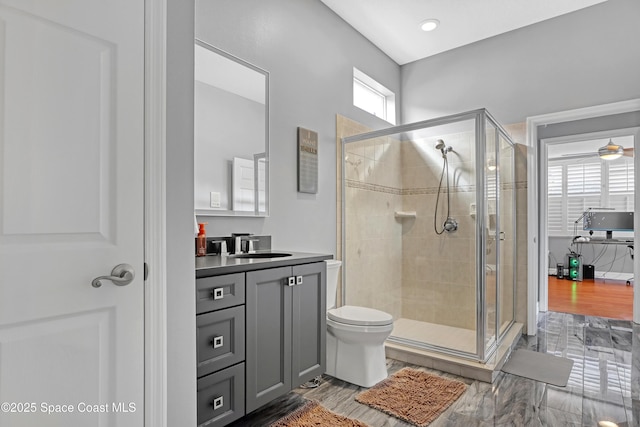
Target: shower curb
[(486, 372)]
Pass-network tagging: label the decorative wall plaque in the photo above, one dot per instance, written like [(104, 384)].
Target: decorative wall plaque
[(307, 161)]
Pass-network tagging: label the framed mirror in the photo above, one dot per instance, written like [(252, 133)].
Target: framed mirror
[(231, 135)]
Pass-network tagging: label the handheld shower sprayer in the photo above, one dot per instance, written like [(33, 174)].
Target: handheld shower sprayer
[(443, 148), (449, 224)]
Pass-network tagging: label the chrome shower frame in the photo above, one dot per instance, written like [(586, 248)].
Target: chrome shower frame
[(481, 116)]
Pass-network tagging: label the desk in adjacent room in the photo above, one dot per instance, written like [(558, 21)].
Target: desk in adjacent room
[(610, 242)]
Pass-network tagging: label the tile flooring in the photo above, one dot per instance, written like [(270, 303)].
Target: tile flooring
[(604, 384)]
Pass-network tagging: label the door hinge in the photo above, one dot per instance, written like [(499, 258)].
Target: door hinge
[(146, 271)]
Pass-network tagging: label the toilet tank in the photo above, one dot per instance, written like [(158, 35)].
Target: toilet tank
[(333, 269)]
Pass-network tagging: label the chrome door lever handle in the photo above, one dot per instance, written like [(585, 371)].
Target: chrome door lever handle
[(121, 275)]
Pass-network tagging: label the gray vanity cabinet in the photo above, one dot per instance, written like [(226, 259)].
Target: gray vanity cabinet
[(285, 330), (220, 328), (309, 326)]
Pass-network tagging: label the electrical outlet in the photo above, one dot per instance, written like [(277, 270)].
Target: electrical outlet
[(215, 199)]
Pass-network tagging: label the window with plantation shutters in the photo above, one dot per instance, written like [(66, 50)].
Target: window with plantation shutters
[(555, 205), (583, 178), (491, 186), (583, 190), (575, 186), (620, 185)]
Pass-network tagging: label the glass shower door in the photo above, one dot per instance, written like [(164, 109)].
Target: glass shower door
[(490, 233), (506, 236)]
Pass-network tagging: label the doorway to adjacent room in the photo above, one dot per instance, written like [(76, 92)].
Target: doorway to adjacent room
[(588, 213)]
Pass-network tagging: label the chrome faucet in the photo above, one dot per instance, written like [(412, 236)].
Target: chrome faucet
[(237, 242), (250, 246), (223, 245), (239, 238)]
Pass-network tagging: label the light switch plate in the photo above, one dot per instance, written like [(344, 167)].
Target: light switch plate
[(215, 199)]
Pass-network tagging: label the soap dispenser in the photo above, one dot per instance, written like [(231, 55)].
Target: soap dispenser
[(201, 242)]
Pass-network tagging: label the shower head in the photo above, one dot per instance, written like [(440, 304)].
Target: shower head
[(443, 148)]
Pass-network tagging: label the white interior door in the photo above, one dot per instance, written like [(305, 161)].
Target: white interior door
[(71, 208)]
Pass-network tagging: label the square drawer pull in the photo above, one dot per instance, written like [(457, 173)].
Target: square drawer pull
[(291, 281), (217, 293), (298, 280), (217, 402), (218, 341)]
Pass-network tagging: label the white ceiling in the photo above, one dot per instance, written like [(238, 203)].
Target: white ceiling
[(394, 25), (219, 71)]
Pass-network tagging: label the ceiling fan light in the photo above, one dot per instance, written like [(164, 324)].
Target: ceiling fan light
[(610, 152)]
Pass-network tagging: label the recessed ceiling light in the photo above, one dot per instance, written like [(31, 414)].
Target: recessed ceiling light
[(429, 24)]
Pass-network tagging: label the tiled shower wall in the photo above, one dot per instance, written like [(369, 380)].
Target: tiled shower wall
[(400, 265), (373, 237), (438, 271)]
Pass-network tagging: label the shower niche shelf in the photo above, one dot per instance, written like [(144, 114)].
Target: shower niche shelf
[(405, 214)]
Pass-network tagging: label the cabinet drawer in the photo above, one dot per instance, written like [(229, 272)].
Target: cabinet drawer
[(221, 397), (216, 292), (220, 339)]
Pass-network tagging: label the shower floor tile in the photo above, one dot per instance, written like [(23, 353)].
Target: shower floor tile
[(441, 335)]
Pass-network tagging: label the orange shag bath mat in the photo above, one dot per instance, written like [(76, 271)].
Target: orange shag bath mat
[(313, 414), (413, 396)]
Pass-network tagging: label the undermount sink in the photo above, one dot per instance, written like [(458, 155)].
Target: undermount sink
[(262, 255)]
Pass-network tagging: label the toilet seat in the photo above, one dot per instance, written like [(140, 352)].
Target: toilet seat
[(359, 330), (359, 316)]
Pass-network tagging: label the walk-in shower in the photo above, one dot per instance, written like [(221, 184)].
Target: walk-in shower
[(429, 235)]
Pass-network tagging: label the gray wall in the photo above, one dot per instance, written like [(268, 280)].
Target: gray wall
[(585, 58), (310, 54), (181, 321), (596, 124)]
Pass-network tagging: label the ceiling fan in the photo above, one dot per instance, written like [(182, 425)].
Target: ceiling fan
[(611, 151)]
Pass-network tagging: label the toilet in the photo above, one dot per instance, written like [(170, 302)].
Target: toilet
[(355, 337)]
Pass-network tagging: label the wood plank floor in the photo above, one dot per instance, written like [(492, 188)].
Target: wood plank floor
[(599, 297)]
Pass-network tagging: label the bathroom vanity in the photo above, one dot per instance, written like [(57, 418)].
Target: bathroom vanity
[(261, 330)]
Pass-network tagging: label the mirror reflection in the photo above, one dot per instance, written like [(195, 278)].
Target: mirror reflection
[(231, 135)]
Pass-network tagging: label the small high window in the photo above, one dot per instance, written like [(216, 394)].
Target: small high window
[(372, 97)]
